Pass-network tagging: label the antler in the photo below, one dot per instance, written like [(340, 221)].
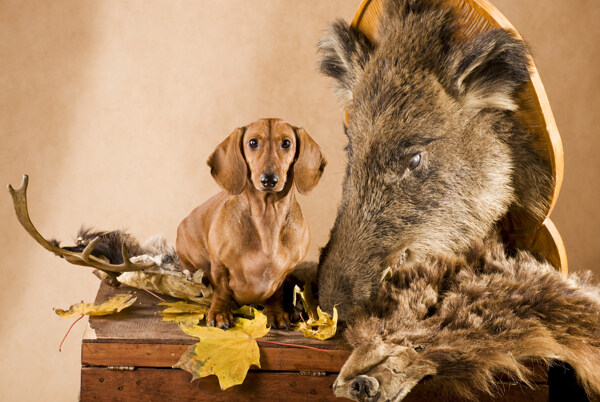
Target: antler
[(84, 258)]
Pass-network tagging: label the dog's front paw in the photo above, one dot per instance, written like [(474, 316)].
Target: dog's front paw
[(219, 318), (277, 318)]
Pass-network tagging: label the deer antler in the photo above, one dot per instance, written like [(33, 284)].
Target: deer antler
[(84, 258)]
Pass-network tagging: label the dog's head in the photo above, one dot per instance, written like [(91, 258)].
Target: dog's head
[(267, 153)]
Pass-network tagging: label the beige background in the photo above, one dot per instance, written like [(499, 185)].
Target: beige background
[(112, 108)]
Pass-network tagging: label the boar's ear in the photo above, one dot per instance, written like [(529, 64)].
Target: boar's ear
[(488, 70), (309, 164), (227, 163), (344, 54)]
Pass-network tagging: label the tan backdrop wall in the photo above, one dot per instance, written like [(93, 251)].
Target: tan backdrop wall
[(113, 107)]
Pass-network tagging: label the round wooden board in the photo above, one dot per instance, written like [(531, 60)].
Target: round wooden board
[(534, 111)]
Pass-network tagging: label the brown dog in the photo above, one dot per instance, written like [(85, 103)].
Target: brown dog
[(248, 238)]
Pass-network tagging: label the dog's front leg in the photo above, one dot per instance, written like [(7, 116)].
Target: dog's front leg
[(219, 314), (275, 312)]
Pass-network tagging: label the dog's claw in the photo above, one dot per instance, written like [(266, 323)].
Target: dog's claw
[(219, 315), (277, 319), (220, 319)]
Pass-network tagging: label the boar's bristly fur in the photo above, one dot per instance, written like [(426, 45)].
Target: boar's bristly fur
[(435, 156), (437, 160)]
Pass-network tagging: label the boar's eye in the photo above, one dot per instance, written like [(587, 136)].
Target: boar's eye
[(414, 162)]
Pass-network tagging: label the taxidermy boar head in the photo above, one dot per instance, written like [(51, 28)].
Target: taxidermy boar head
[(435, 155)]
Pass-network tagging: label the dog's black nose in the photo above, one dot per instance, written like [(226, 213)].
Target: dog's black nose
[(268, 180)]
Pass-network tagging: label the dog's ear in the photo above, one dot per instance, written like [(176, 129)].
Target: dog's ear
[(227, 163), (487, 70), (309, 164), (344, 55)]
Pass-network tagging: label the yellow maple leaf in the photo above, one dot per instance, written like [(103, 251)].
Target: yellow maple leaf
[(185, 313), (111, 306), (226, 354), (322, 328)]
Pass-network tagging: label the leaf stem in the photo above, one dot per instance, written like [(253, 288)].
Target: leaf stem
[(294, 345), (71, 327), (155, 295)]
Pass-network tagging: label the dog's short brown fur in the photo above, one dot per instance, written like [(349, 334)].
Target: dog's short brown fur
[(249, 237)]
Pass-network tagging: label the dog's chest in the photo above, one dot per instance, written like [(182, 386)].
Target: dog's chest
[(258, 257), (257, 277)]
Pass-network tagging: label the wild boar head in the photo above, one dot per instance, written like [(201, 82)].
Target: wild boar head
[(435, 155)]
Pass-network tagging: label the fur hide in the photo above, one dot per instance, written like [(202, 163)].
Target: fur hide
[(112, 241), (109, 248), (460, 321)]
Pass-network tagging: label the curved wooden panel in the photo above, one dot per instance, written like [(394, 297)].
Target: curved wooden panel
[(549, 244), (534, 111)]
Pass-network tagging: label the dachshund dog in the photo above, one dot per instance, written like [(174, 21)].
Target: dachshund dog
[(248, 238)]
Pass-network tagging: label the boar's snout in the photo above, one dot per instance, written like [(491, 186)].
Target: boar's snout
[(364, 388), (346, 283)]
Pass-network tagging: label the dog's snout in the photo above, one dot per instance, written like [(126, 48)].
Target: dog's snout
[(364, 387), (269, 180)]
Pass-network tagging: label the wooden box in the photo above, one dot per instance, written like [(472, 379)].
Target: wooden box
[(129, 357)]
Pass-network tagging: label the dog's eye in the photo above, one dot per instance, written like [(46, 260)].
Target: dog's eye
[(253, 143), (414, 162), (285, 144)]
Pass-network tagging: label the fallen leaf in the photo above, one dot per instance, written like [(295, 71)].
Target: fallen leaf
[(245, 311), (324, 327), (111, 306), (167, 282), (226, 354), (308, 300), (320, 325), (185, 313)]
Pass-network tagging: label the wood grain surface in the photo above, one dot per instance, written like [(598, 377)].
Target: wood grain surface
[(100, 384)]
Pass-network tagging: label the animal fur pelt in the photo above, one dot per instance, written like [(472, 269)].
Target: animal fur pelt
[(109, 245), (109, 248), (461, 321), (111, 241)]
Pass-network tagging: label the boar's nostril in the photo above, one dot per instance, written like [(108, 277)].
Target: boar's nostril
[(364, 387)]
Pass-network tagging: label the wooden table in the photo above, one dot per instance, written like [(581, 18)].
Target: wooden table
[(129, 357)]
